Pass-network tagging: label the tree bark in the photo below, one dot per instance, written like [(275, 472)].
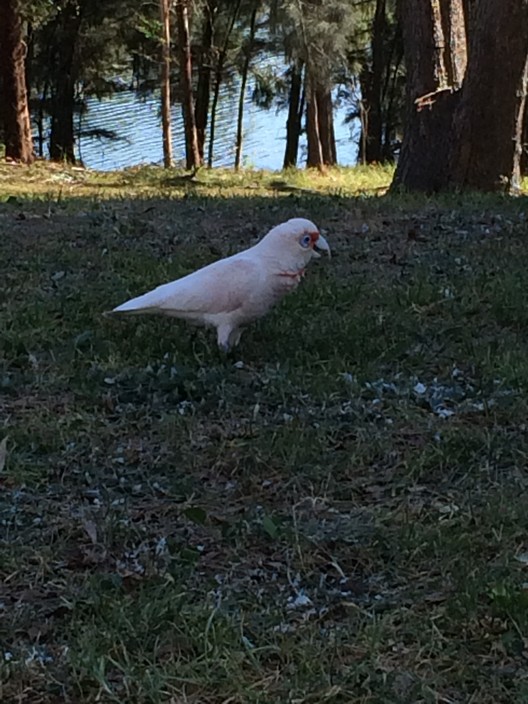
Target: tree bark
[(62, 140), (203, 89), (488, 121), (165, 83), (295, 112), (524, 154), (192, 152), (464, 132), (456, 33), (423, 164), (315, 148), (243, 83), (325, 115), (15, 113)]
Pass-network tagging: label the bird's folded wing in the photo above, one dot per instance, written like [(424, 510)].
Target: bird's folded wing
[(221, 287)]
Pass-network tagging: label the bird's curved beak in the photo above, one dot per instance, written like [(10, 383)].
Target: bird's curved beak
[(321, 245)]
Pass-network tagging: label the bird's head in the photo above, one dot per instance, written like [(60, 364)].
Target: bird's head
[(297, 239)]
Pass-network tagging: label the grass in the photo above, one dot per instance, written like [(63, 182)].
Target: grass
[(336, 514)]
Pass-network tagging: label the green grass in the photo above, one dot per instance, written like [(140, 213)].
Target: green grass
[(337, 513)]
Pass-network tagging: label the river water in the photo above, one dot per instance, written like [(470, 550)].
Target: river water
[(137, 121)]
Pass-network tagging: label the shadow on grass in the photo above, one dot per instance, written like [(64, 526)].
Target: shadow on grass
[(336, 512)]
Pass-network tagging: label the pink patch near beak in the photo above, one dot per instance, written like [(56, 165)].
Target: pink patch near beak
[(314, 236)]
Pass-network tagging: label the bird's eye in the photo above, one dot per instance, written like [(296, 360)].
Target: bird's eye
[(305, 242)]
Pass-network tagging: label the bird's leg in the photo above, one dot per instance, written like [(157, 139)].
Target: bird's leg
[(223, 335), (234, 337)]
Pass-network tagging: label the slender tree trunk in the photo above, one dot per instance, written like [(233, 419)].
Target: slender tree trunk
[(372, 87), (62, 140), (243, 83), (203, 89), (488, 121), (390, 95), (218, 81), (295, 113), (192, 152), (165, 83), (15, 113)]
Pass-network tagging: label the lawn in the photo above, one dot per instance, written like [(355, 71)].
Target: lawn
[(335, 513)]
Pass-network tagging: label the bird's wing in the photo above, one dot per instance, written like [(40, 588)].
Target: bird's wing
[(221, 287)]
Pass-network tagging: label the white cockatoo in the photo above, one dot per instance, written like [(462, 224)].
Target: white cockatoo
[(232, 292)]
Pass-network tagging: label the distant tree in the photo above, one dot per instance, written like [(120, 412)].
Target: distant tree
[(205, 63), (64, 30), (315, 35), (80, 48), (192, 150), (296, 103), (466, 94), (15, 109), (165, 82), (231, 11), (380, 105), (247, 51)]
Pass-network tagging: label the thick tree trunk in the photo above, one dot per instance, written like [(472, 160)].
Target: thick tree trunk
[(219, 73), (424, 159), (165, 83), (192, 152), (488, 121), (203, 89), (15, 113), (464, 125), (295, 112), (243, 83), (62, 140)]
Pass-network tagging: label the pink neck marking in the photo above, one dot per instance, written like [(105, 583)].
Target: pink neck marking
[(292, 275)]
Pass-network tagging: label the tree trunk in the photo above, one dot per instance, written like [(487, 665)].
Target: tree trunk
[(62, 141), (243, 83), (315, 157), (371, 88), (203, 89), (325, 115), (192, 152), (295, 112), (15, 113), (467, 137), (423, 164), (165, 83), (524, 154), (219, 72), (390, 96), (456, 33), (488, 121)]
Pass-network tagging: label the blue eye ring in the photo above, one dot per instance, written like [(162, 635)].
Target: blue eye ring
[(306, 240)]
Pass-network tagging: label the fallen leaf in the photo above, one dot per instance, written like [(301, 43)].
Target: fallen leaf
[(3, 453), (91, 530)]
